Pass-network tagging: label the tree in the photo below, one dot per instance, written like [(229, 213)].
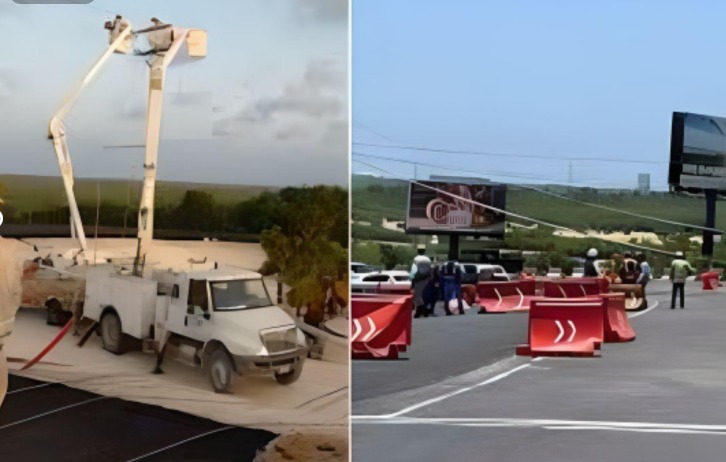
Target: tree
[(367, 252), (300, 247), (196, 211)]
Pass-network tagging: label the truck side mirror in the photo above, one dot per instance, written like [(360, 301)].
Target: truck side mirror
[(206, 316)]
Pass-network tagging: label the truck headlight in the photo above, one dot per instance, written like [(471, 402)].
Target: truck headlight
[(281, 340)]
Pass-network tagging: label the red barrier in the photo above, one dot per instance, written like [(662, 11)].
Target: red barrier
[(710, 280), (504, 296), (381, 326), (565, 327), (616, 323), (575, 287)]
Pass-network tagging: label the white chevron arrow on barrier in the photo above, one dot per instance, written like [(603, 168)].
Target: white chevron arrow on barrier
[(562, 331)]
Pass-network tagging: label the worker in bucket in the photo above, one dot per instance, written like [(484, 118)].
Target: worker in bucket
[(590, 267), (680, 270), (420, 277)]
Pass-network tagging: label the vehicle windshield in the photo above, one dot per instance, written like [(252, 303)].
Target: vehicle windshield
[(239, 294)]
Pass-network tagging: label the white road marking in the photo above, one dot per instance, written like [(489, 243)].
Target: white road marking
[(548, 424), (574, 331), (442, 397), (18, 422), (180, 443), (635, 315), (562, 331), (372, 326), (31, 388)]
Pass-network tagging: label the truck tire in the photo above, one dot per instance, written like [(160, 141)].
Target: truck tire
[(112, 335), (290, 377), (221, 371)]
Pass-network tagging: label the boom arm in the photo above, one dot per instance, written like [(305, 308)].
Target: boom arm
[(157, 75), (57, 133)]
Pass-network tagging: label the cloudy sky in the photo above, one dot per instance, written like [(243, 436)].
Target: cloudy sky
[(557, 79), (269, 104)]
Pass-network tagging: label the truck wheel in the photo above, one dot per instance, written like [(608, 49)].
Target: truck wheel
[(290, 377), (220, 371), (111, 333)]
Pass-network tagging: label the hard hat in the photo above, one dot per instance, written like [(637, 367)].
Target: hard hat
[(679, 254), (592, 253)]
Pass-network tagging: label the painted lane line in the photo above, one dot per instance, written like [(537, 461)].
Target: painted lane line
[(562, 331), (180, 443), (635, 315), (31, 388), (372, 326), (642, 427), (442, 397), (53, 412), (574, 330)]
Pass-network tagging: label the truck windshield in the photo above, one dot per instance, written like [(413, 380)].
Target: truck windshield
[(239, 294)]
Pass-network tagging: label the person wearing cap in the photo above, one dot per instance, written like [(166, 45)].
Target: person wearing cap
[(680, 270), (590, 268), (420, 277)]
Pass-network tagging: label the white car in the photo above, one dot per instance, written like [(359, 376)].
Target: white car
[(381, 280), (470, 272)]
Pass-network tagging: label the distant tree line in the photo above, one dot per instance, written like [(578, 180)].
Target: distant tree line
[(198, 211)]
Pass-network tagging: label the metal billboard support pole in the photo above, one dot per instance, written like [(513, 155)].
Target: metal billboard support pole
[(707, 247)]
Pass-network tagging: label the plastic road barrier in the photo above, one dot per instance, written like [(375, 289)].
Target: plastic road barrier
[(710, 280), (380, 326), (565, 327), (616, 324), (575, 287), (504, 296)]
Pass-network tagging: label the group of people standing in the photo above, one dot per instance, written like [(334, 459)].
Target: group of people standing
[(430, 281), (637, 271)]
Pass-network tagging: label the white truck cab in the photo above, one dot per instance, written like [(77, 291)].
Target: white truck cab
[(227, 316)]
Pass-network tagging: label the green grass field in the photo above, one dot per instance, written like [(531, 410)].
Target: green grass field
[(376, 198), (26, 193)]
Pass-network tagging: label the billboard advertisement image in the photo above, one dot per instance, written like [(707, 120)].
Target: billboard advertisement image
[(698, 152), (431, 211)]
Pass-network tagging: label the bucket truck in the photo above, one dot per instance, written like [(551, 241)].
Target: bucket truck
[(227, 316)]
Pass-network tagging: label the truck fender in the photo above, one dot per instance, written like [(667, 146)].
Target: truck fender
[(210, 347)]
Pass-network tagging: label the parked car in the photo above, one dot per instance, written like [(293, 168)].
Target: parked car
[(471, 271), (361, 268), (373, 282)]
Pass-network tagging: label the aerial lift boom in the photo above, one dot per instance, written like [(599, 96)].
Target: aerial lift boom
[(165, 42)]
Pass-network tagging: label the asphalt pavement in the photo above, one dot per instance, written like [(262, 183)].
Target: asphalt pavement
[(659, 398)]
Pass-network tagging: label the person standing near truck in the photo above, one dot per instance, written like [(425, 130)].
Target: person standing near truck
[(680, 270)]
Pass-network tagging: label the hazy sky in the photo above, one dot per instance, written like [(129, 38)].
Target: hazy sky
[(557, 78), (269, 104)]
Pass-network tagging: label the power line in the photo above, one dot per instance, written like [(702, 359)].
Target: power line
[(522, 217), (570, 199), (493, 154)]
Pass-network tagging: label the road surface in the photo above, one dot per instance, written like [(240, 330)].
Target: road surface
[(659, 398)]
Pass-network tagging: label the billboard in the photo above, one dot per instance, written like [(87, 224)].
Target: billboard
[(433, 212), (698, 152)]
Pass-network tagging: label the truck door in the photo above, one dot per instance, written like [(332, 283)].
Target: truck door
[(198, 317)]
